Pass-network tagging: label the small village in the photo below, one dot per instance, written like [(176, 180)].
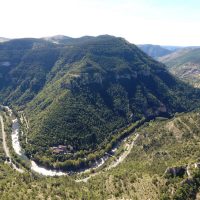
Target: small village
[(62, 149)]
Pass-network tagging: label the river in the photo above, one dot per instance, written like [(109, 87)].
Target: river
[(48, 172), (34, 166)]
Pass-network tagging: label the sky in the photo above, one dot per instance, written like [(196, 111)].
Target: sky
[(164, 22)]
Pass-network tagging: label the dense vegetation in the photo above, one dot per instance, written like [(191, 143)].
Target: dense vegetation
[(162, 144), (81, 92)]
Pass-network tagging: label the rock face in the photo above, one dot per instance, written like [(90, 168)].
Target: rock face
[(187, 181), (175, 171), (197, 165)]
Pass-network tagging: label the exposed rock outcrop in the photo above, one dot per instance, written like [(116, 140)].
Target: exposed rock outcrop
[(175, 171)]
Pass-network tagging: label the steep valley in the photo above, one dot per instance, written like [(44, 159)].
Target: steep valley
[(79, 100), (162, 144)]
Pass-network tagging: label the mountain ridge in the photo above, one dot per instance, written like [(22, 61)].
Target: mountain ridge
[(155, 51), (78, 94)]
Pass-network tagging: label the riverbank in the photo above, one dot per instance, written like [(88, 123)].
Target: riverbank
[(6, 149), (96, 167)]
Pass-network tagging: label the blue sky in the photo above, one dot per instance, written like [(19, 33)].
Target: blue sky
[(167, 22)]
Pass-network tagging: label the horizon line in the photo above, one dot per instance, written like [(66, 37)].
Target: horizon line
[(63, 35)]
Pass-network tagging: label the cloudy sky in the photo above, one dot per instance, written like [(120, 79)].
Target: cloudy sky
[(166, 22)]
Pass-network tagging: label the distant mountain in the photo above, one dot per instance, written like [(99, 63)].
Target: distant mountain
[(3, 39), (185, 64), (58, 39), (172, 48), (65, 40), (154, 51), (83, 92)]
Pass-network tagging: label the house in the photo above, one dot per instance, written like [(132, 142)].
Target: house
[(62, 149), (58, 151)]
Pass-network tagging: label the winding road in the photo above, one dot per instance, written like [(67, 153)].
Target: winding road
[(128, 148), (4, 139), (115, 163)]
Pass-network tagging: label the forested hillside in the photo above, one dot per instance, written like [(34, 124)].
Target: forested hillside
[(162, 144), (81, 94)]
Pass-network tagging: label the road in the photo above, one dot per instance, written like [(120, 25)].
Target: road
[(128, 148), (4, 139), (5, 147)]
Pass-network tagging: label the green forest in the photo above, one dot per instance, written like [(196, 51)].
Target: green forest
[(83, 92)]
